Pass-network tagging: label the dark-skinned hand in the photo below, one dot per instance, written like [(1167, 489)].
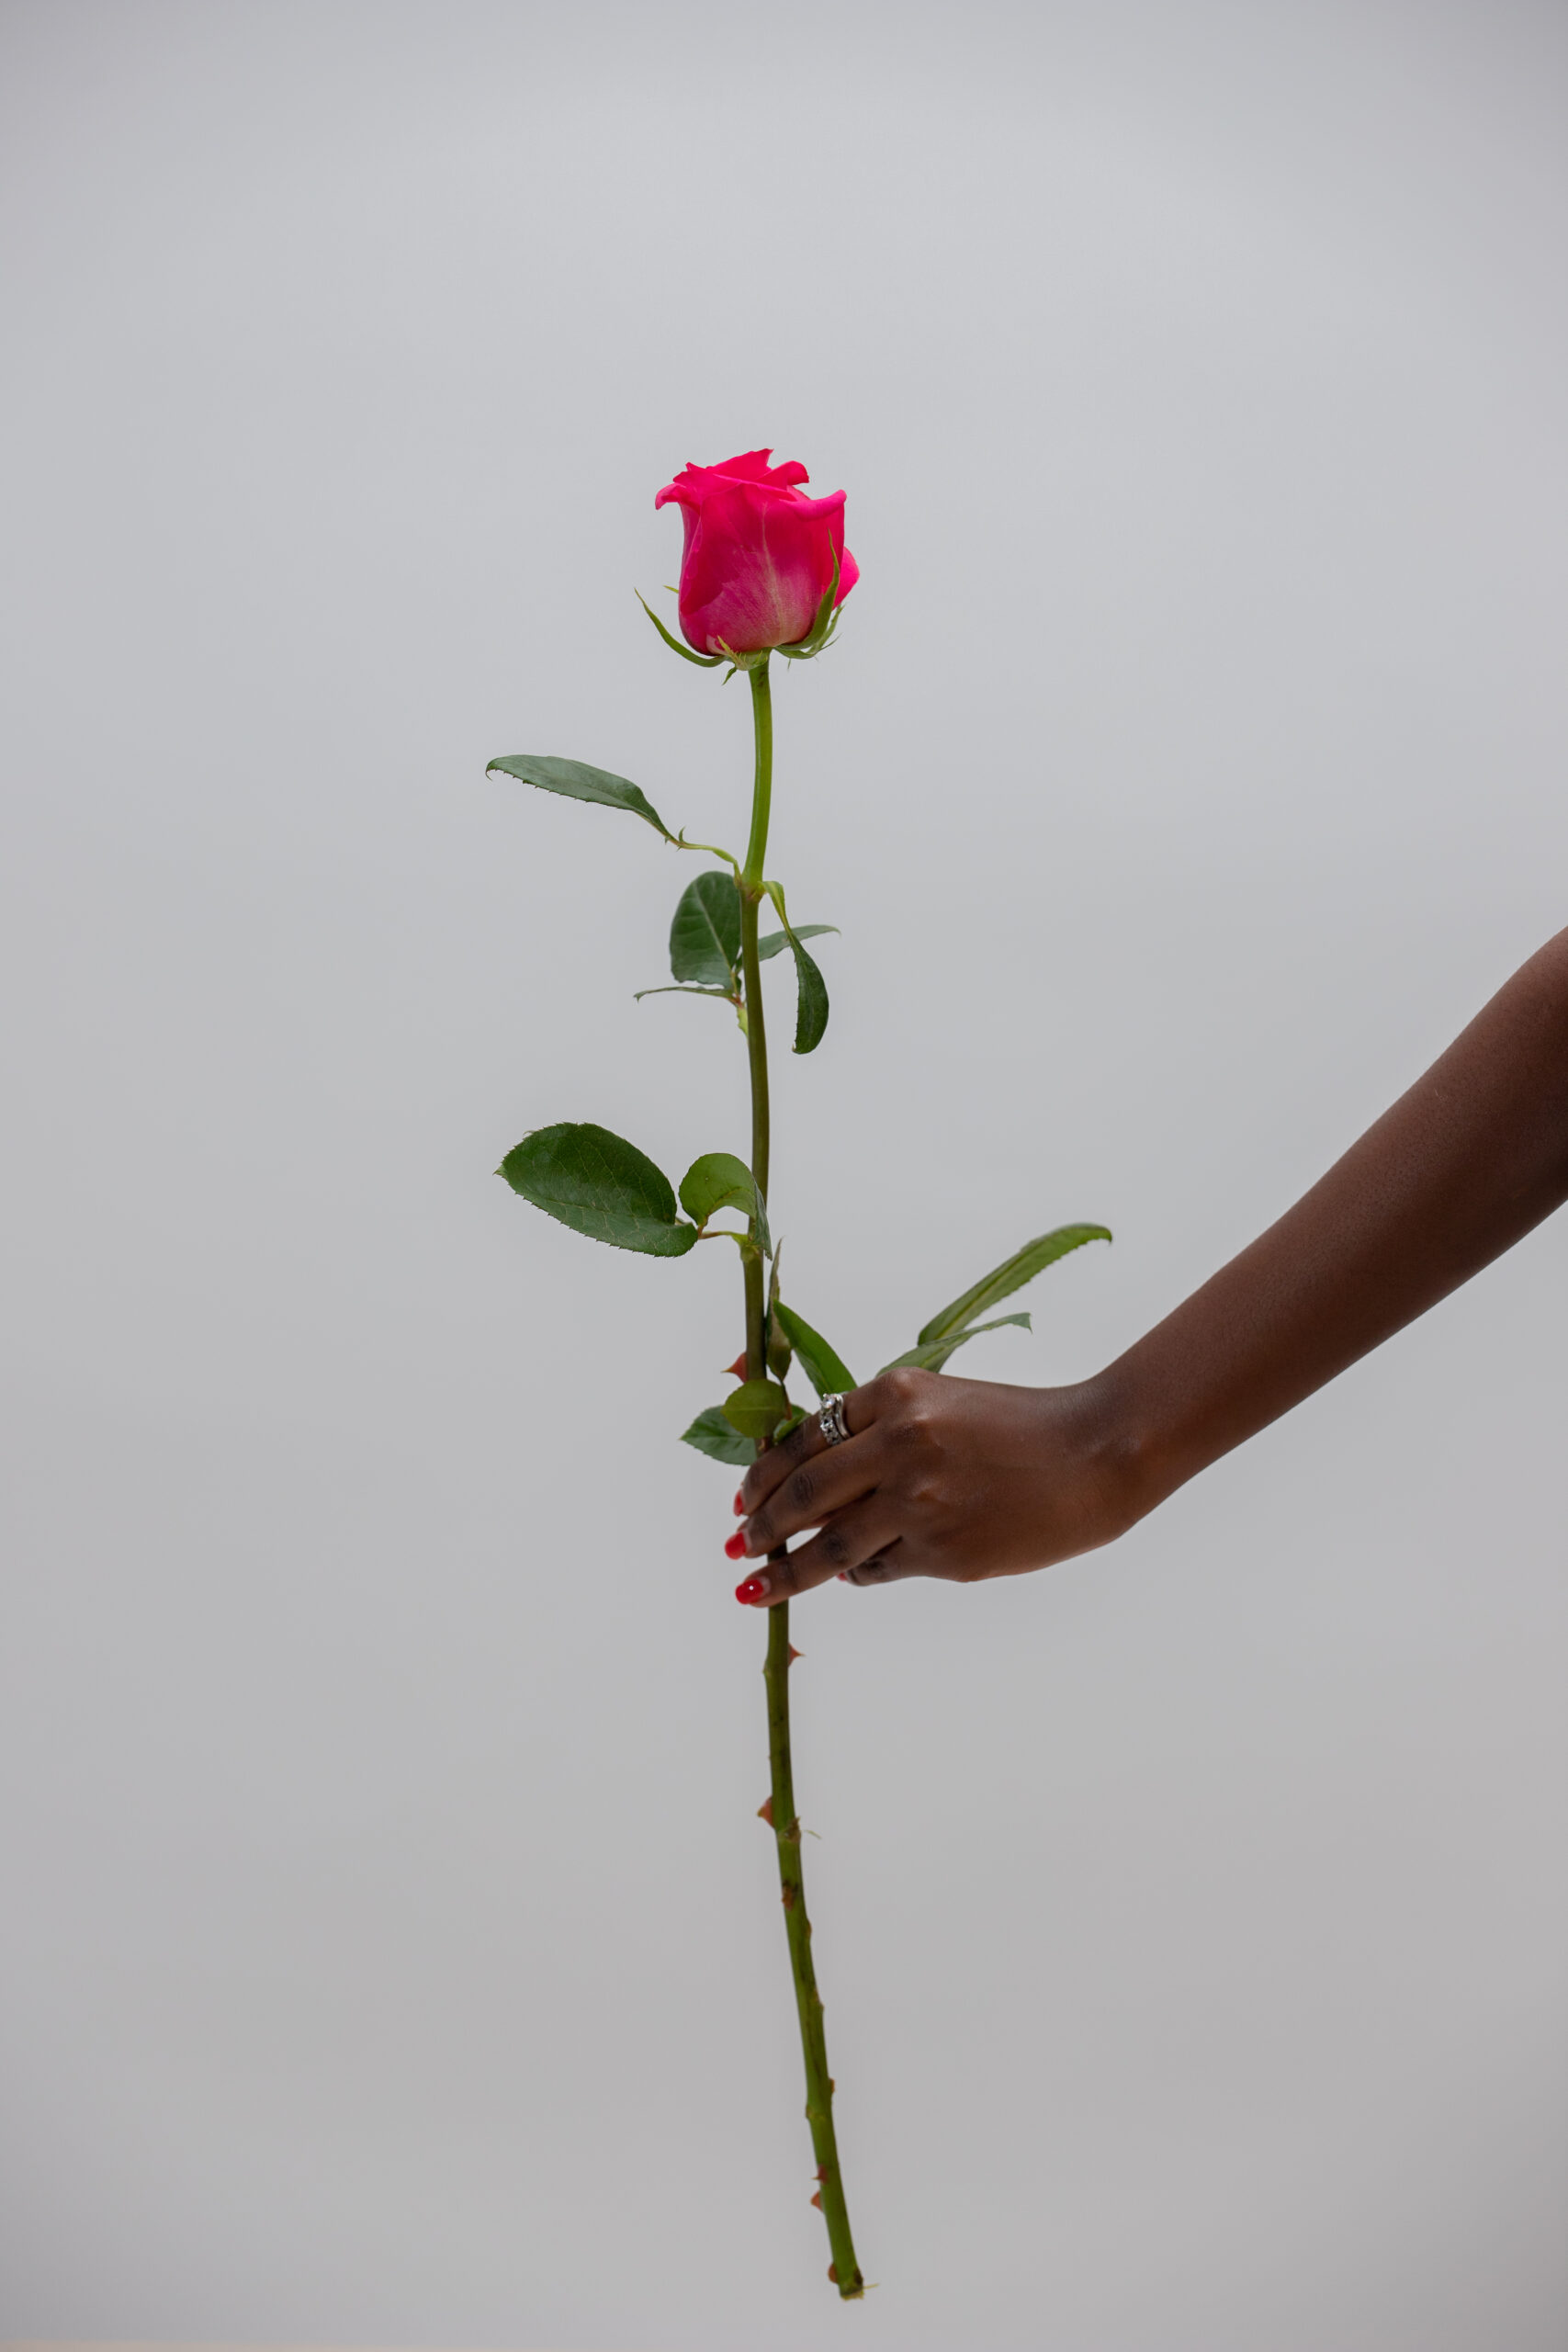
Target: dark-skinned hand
[(968, 1479), (938, 1478)]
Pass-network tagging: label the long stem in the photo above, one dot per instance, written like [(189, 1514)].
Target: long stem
[(756, 1029), (844, 2271)]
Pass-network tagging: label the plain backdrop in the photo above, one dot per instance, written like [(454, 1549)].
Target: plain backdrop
[(390, 1951)]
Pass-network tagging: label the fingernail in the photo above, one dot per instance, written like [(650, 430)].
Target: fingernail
[(734, 1545), (740, 1504), (754, 1589), (843, 1576)]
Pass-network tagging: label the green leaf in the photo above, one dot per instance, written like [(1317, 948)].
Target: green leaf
[(716, 1181), (600, 1185), (1020, 1268), (578, 782), (811, 1004), (719, 1181), (776, 940), (933, 1353), (704, 938), (781, 1355), (827, 1371), (791, 1420), (713, 1435), (756, 1408)]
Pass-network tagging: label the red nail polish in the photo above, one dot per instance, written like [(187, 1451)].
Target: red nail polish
[(735, 1546), (753, 1589), (740, 1504)]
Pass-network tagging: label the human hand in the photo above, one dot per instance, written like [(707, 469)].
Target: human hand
[(938, 1478), (965, 1478)]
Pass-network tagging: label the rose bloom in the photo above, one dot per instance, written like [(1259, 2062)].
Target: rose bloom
[(759, 553)]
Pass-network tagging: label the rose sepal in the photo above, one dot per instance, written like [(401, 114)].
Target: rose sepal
[(757, 661), (703, 660)]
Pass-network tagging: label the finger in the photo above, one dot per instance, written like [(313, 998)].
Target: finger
[(817, 1489), (883, 1568), (861, 1533), (804, 1440)]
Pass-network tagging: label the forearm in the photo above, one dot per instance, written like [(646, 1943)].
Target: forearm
[(951, 1477), (1460, 1167)]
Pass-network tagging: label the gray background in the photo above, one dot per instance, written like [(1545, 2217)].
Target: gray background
[(391, 1952)]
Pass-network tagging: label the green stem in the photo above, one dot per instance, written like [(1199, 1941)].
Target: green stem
[(845, 2271), (762, 784), (756, 1028)]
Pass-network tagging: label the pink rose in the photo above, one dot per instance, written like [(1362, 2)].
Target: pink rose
[(759, 553)]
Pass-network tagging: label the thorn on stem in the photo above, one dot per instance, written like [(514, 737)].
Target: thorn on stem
[(765, 1811), (787, 1898), (816, 2200), (794, 1653)]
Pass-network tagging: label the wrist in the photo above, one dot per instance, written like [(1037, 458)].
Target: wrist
[(1126, 1452)]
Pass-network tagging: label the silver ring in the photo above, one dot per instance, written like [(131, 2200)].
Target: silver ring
[(830, 1420)]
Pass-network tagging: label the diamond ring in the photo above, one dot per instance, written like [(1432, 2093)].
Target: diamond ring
[(830, 1420)]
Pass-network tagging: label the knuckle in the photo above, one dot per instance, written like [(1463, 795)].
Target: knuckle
[(759, 1531), (801, 1488), (835, 1549), (913, 1429), (908, 1398)]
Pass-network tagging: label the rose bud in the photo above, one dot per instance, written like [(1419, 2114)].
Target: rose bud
[(759, 554)]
